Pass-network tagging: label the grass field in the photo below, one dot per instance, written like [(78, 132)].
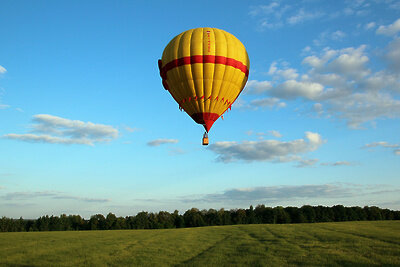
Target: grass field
[(320, 244)]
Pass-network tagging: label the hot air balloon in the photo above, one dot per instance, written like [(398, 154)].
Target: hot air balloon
[(204, 69)]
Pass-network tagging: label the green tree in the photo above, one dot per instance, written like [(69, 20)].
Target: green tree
[(281, 216), (308, 213), (142, 220), (193, 218)]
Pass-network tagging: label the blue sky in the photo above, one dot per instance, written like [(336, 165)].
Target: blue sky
[(86, 126)]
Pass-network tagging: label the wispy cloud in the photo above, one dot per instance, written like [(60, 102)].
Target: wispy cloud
[(292, 193), (302, 163), (2, 70), (395, 147), (131, 129), (261, 135), (389, 30), (370, 25), (25, 196), (327, 36), (268, 102), (267, 150), (279, 193), (276, 15), (264, 9), (2, 106), (275, 133), (56, 130), (381, 144), (159, 142), (337, 163), (302, 15)]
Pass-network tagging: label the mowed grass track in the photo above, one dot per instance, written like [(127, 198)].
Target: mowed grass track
[(319, 244)]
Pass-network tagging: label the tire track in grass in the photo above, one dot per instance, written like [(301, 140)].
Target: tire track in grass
[(332, 248), (255, 237), (285, 240), (281, 249), (203, 252), (301, 246), (361, 235), (265, 257), (367, 257)]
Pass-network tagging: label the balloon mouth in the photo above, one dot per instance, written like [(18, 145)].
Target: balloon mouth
[(206, 119)]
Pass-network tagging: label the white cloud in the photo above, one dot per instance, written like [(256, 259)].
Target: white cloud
[(351, 62), (275, 133), (276, 15), (256, 87), (338, 35), (393, 55), (264, 9), (341, 85), (348, 61), (318, 108), (328, 36), (2, 70), (384, 144), (319, 62), (272, 68), (159, 142), (286, 73), (4, 106), (57, 130), (389, 30), (292, 89), (370, 25), (267, 150), (303, 16), (269, 102), (359, 108), (313, 61)]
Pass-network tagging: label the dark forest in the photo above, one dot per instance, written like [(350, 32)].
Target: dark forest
[(197, 218)]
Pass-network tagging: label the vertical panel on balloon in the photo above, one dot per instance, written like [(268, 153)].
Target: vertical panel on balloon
[(221, 48), (208, 68), (187, 73), (228, 75), (196, 48), (174, 75)]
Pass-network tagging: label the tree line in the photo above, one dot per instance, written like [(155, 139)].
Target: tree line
[(197, 218)]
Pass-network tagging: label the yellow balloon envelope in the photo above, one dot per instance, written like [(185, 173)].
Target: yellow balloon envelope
[(204, 69)]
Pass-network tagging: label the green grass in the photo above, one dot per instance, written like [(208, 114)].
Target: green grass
[(321, 244)]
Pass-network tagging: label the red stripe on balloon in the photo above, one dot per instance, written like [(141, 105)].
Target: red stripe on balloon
[(203, 59)]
